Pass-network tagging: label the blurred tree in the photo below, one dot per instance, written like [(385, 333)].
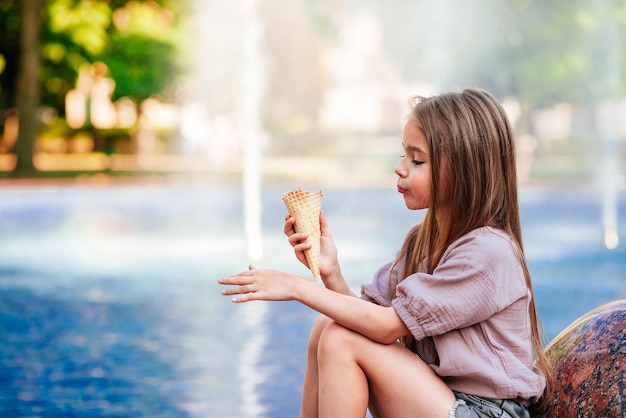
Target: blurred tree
[(43, 45), (27, 90), (73, 34), (542, 52), (141, 56), (547, 51), (562, 51), (134, 39), (141, 52), (9, 51), (142, 67)]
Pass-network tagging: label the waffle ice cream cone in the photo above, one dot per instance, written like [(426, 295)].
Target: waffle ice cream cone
[(305, 208)]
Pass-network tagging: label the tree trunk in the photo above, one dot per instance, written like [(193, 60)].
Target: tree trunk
[(28, 87)]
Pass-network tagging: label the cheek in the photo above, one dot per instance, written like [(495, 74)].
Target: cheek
[(422, 192), (427, 185)]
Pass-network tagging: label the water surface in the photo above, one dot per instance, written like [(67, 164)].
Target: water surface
[(109, 304)]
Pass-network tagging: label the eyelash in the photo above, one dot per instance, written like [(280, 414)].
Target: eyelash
[(414, 162)]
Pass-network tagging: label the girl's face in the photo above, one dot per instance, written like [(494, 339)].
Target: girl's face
[(414, 169)]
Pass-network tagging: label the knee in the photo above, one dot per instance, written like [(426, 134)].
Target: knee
[(316, 331), (335, 340)]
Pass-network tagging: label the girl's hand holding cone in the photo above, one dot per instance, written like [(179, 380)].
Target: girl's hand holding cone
[(328, 263), (305, 208)]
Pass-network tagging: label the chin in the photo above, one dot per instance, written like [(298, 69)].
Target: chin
[(415, 206)]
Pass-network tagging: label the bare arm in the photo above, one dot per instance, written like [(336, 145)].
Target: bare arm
[(378, 323), (381, 324)]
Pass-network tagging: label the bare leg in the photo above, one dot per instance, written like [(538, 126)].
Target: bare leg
[(351, 366), (310, 397), (344, 388), (373, 407)]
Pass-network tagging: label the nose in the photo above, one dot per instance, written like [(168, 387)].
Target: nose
[(400, 170)]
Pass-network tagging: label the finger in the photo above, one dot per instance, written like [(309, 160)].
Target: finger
[(297, 238), (244, 298), (236, 280), (302, 247), (231, 291), (299, 252), (238, 295), (239, 290), (323, 224), (289, 228), (245, 293)]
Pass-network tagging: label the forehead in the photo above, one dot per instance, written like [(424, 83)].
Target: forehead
[(413, 136)]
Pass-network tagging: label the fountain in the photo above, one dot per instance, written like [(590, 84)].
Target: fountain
[(608, 118), (608, 122), (251, 127), (252, 136)]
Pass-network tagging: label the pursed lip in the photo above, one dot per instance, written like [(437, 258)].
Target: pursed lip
[(401, 190)]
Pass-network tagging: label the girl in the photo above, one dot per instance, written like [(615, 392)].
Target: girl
[(449, 327)]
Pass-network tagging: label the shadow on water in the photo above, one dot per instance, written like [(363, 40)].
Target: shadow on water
[(109, 304)]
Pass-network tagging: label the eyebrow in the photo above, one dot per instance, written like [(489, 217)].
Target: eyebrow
[(414, 148)]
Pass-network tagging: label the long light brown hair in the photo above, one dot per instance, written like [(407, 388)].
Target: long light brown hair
[(474, 184)]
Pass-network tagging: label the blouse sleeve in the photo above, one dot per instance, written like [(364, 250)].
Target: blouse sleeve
[(382, 290), (478, 276)]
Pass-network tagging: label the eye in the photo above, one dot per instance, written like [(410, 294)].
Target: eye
[(414, 162)]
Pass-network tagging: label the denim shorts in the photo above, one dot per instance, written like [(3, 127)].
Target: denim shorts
[(471, 406)]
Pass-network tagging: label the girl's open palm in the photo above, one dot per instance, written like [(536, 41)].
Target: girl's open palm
[(260, 284)]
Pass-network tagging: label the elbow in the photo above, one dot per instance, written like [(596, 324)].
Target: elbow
[(380, 334), (384, 326), (393, 328), (388, 339), (391, 336), (396, 335)]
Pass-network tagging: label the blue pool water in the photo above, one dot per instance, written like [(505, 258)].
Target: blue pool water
[(109, 304)]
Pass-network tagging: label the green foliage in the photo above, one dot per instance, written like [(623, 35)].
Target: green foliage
[(9, 50), (541, 51), (84, 23), (141, 66), (551, 61), (141, 53), (77, 33), (73, 33)]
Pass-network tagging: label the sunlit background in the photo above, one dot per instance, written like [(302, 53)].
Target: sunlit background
[(165, 133)]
